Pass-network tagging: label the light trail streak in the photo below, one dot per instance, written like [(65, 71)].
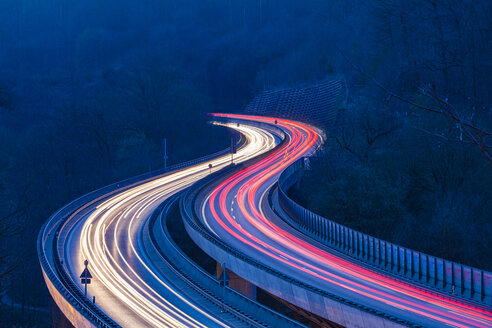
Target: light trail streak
[(109, 238), (261, 235)]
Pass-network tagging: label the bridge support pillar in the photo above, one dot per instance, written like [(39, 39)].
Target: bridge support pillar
[(241, 285)]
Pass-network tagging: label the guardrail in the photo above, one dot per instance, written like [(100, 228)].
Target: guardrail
[(454, 278), (267, 126), (50, 259), (196, 228), (225, 297)]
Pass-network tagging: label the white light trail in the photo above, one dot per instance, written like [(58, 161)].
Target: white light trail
[(108, 235)]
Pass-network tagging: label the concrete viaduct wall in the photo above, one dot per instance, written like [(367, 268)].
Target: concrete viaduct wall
[(50, 245), (319, 302), (71, 313), (427, 270)]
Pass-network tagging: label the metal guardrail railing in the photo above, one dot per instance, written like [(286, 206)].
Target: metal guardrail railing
[(453, 278), (194, 226), (50, 261), (226, 298)]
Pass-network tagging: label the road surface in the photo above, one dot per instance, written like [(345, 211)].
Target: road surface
[(126, 284), (234, 212)]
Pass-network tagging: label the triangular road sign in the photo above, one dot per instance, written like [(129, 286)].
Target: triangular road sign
[(86, 274)]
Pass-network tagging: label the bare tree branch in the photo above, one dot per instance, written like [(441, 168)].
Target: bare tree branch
[(476, 134)]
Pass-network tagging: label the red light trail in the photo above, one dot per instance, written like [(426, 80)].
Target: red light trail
[(280, 245)]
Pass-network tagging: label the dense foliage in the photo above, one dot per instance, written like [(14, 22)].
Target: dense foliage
[(400, 165)]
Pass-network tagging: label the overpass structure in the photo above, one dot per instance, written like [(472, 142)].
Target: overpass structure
[(239, 216), (236, 220), (136, 284)]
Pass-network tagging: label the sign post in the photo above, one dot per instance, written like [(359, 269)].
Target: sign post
[(164, 146), (224, 277), (85, 277), (233, 148)]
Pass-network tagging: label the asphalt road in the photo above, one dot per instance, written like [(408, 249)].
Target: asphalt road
[(125, 282), (234, 211)]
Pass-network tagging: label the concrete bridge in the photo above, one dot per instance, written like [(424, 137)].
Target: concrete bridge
[(242, 218)]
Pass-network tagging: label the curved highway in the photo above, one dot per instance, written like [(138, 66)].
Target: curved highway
[(127, 286), (235, 210)]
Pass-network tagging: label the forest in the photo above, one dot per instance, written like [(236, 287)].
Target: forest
[(89, 89)]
